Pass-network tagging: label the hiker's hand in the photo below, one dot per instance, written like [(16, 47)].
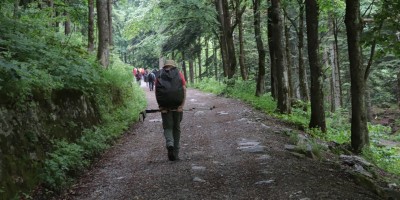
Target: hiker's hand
[(163, 110), (179, 109)]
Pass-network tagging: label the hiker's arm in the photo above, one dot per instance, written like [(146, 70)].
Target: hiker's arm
[(180, 108)]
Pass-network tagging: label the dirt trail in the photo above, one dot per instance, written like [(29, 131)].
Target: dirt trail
[(230, 152)]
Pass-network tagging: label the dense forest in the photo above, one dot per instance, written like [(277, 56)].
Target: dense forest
[(329, 67)]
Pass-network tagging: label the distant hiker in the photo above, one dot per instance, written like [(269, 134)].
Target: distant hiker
[(151, 78), (146, 77), (171, 95), (134, 72), (138, 77)]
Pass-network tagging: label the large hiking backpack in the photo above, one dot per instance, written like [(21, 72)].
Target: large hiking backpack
[(169, 88), (151, 77)]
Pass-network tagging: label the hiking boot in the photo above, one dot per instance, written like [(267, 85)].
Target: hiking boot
[(176, 154), (171, 155)]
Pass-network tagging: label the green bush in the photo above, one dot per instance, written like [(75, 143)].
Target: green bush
[(118, 110)]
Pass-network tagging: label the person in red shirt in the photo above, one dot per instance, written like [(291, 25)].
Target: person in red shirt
[(170, 93)]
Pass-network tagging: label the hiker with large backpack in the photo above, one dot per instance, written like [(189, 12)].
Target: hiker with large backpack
[(171, 94)]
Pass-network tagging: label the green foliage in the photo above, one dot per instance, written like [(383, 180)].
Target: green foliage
[(210, 85), (64, 161), (387, 158), (34, 59), (120, 103)]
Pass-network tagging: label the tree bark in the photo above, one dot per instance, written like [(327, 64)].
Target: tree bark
[(184, 66), (207, 64), (215, 60), (239, 13), (199, 57), (226, 38), (359, 129), (337, 63), (281, 70), (91, 26), (317, 98), (272, 55), (103, 52), (260, 88), (191, 71), (221, 37), (289, 62), (303, 83), (398, 89), (110, 27), (67, 22)]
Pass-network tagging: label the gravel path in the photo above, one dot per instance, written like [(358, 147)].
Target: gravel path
[(229, 152)]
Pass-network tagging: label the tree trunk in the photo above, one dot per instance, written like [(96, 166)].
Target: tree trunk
[(317, 98), (289, 63), (207, 63), (398, 89), (191, 70), (359, 129), (215, 60), (67, 22), (110, 27), (199, 57), (335, 80), (91, 26), (337, 63), (272, 55), (303, 83), (260, 88), (221, 37), (103, 53), (239, 13), (226, 38), (228, 32), (184, 66), (281, 70)]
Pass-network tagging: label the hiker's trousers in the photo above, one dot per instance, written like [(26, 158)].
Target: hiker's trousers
[(172, 128)]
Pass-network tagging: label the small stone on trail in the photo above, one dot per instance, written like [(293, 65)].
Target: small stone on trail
[(264, 157), (198, 168), (264, 182), (222, 113), (197, 179)]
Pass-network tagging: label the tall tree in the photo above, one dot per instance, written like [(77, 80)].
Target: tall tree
[(299, 29), (239, 13), (226, 38), (272, 54), (398, 89), (288, 54), (91, 26), (103, 51), (260, 88), (67, 22), (281, 70), (110, 26), (317, 98), (302, 70), (358, 74)]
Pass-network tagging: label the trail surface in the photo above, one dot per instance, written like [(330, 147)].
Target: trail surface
[(230, 152)]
